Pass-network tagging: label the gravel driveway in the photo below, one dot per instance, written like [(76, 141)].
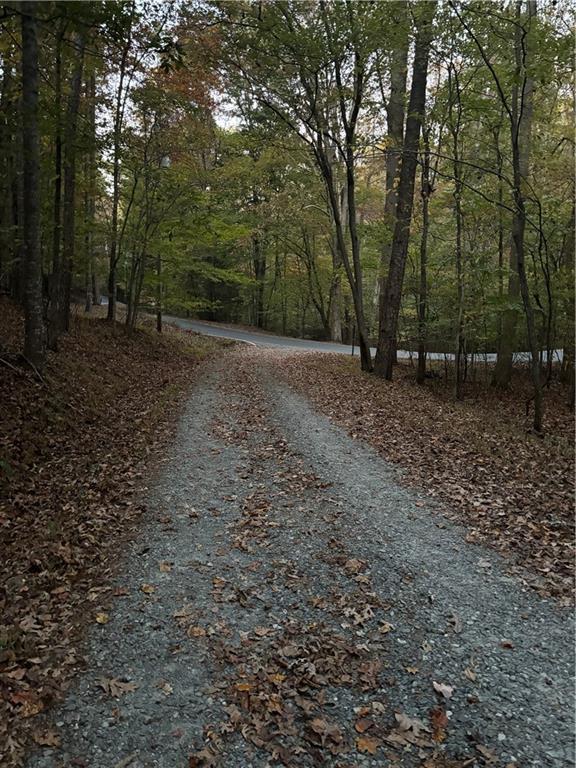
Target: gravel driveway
[(290, 602)]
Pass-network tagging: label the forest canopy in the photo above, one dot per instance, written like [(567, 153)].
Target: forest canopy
[(398, 174)]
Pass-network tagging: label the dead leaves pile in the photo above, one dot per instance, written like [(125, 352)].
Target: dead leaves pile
[(72, 452), (513, 491)]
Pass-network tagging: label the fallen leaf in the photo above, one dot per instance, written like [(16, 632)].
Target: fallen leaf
[(196, 632), (28, 702), (407, 723), (412, 670), (487, 754), (165, 687), (354, 566), (367, 744), (165, 567), (385, 627), (443, 689), (148, 589), (363, 725), (470, 674), (114, 687), (102, 618), (439, 722), (46, 738)]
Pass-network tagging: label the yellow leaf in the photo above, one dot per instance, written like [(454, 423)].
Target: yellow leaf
[(102, 618)]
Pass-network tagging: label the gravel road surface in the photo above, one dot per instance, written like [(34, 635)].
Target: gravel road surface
[(290, 602)]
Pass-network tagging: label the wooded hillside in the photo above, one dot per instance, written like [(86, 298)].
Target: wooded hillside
[(398, 174)]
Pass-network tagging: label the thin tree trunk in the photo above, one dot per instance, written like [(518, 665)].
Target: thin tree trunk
[(56, 276), (69, 206), (567, 368), (117, 135), (159, 293), (455, 110), (34, 330), (395, 118), (423, 286), (520, 134), (259, 264), (523, 102), (90, 202), (386, 352)]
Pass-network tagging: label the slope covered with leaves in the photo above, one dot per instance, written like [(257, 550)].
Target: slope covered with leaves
[(73, 451), (512, 490)]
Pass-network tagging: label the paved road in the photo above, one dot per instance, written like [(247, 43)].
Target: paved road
[(269, 340)]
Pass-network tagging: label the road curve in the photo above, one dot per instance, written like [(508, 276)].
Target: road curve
[(258, 339)]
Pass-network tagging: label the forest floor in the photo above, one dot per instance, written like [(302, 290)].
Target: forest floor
[(292, 597)]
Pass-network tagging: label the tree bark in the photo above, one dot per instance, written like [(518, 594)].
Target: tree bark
[(159, 293), (567, 368), (455, 113), (395, 109), (55, 282), (34, 329), (90, 198), (69, 200), (117, 136), (392, 297), (423, 285), (259, 264), (522, 108)]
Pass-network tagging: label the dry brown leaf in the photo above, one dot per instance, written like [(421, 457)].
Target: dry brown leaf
[(363, 724), (46, 738), (444, 690), (368, 744), (114, 687), (196, 632)]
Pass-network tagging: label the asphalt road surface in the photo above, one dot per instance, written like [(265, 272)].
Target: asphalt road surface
[(269, 340)]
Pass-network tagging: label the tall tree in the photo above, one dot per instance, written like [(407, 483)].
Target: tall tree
[(390, 306), (35, 332)]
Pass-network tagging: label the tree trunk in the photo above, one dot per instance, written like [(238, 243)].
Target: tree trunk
[(385, 354), (423, 286), (34, 330), (523, 102), (567, 368), (455, 111), (395, 119), (90, 199), (55, 282), (117, 135), (159, 293), (520, 135), (259, 264), (69, 201)]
